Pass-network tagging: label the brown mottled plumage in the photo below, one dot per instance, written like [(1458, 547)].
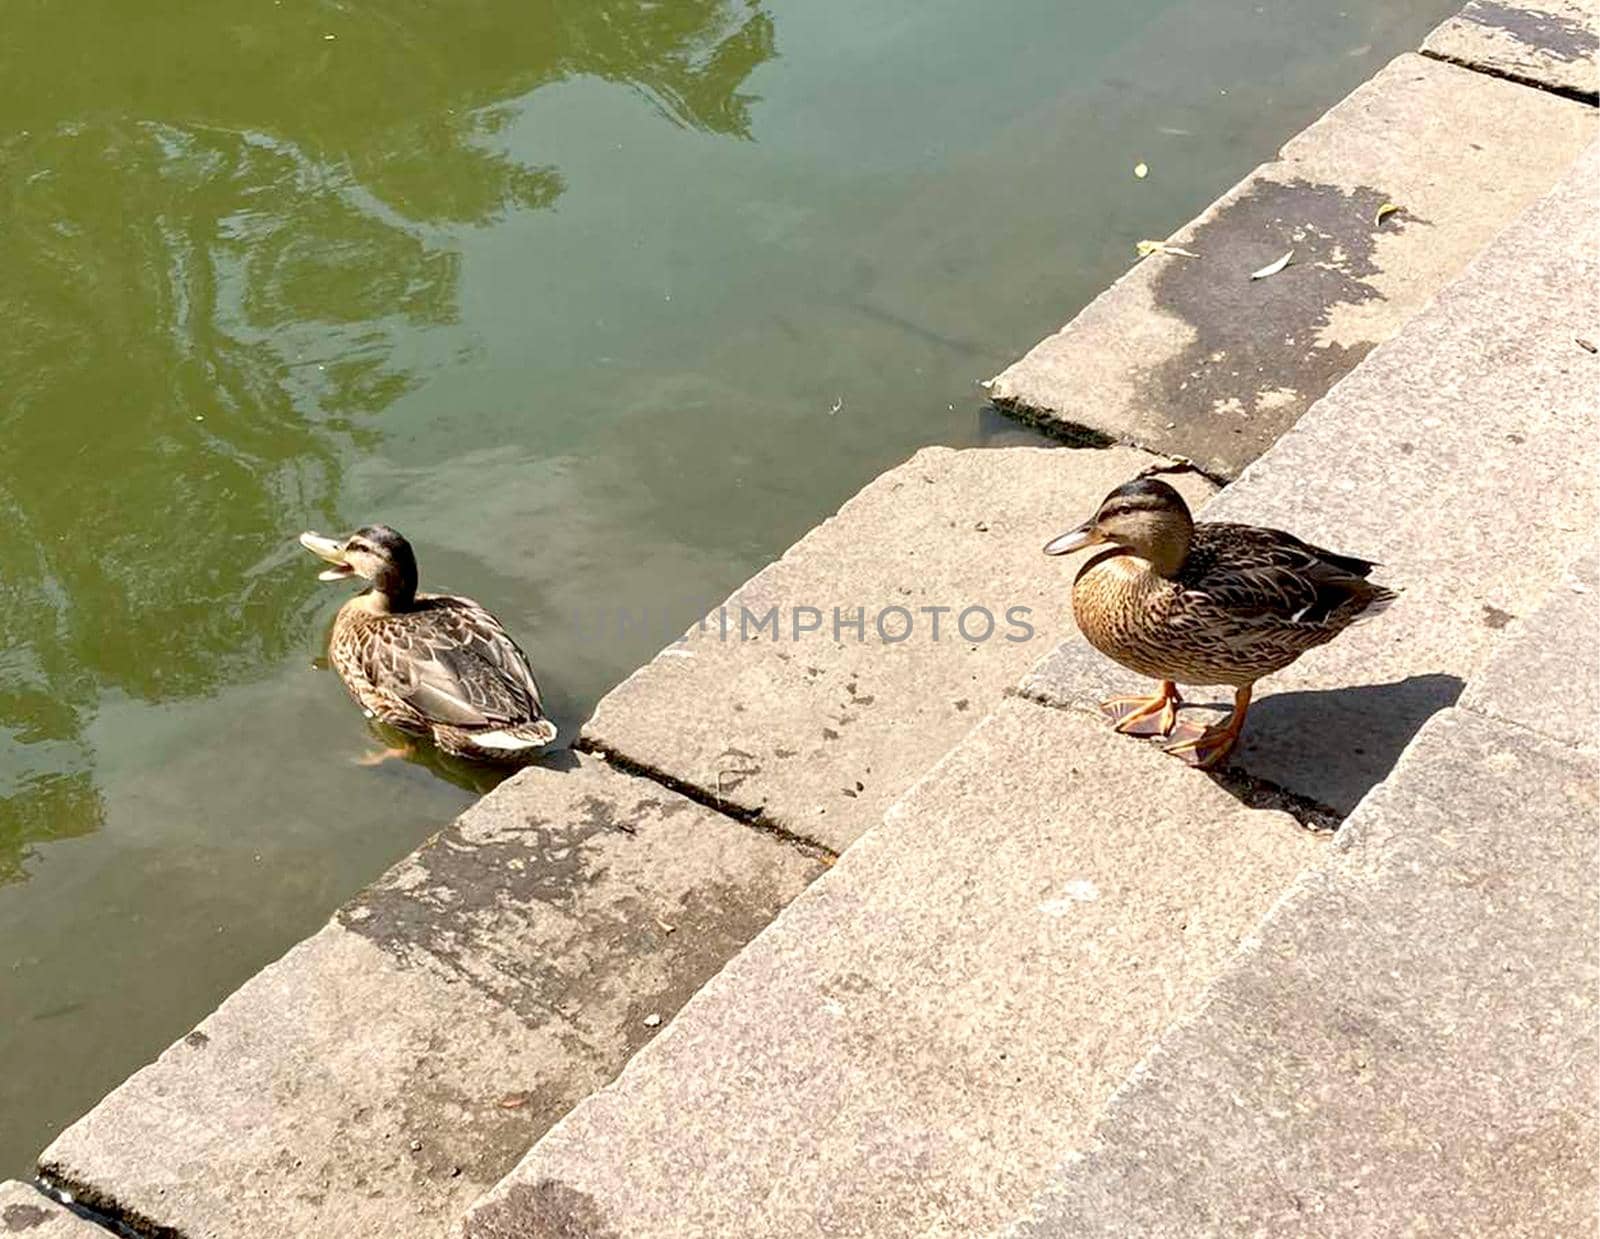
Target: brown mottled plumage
[(428, 664), (1204, 604)]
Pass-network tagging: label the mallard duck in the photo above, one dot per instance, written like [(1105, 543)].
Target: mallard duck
[(428, 664), (1211, 603)]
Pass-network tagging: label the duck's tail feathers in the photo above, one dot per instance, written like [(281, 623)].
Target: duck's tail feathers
[(1382, 599), (516, 739), (1353, 564)]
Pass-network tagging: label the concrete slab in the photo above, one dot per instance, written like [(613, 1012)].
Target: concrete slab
[(819, 736), (27, 1211), (1191, 357), (1546, 674), (1409, 1046), (384, 1072), (1552, 44), (1463, 455), (910, 1045)]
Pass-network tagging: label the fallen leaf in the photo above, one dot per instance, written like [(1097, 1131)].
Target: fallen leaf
[(513, 1101), (1141, 170), (1272, 268), (1146, 248), (1387, 209)]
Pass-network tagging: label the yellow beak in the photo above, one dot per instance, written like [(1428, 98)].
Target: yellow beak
[(1074, 540), (330, 549)]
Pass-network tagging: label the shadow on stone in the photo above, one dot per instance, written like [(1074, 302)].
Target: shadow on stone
[(547, 1210), (1332, 747)]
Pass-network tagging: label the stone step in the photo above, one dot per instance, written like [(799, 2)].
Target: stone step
[(1411, 1042), (1463, 455), (906, 1050), (387, 1070), (955, 1002), (26, 1210), (1546, 674), (816, 736), (1551, 44), (1190, 357)]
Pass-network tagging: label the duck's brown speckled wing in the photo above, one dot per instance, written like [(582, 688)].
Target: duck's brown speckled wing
[(452, 663), (1265, 595)]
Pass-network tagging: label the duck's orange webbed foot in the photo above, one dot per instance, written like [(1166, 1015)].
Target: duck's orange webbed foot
[(1145, 716), (1202, 746), (1206, 747), (381, 756)]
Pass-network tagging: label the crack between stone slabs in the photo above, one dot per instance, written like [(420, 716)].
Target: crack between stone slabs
[(1076, 435), (1579, 749), (1510, 75), (752, 818), (51, 1189), (1249, 790), (1054, 426)]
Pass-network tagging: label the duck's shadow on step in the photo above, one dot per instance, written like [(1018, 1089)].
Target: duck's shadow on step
[(1328, 748)]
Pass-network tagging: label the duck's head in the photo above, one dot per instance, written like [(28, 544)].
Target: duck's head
[(1145, 516), (375, 553)]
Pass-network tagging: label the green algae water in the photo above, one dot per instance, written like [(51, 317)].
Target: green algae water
[(602, 302)]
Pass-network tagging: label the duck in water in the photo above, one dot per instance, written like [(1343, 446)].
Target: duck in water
[(428, 664), (1209, 603)]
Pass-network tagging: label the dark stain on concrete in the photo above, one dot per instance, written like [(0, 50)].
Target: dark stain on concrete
[(467, 906), (1494, 617), (599, 815), (18, 1218), (714, 920), (1254, 365), (1556, 35), (457, 896), (543, 1210), (476, 1138), (740, 766), (661, 808)]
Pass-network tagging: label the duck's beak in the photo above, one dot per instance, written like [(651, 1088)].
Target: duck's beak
[(330, 549), (1084, 535)]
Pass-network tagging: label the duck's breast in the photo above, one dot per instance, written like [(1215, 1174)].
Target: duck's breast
[(1121, 607)]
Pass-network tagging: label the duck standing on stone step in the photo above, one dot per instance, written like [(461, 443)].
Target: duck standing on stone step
[(428, 664), (1209, 603)]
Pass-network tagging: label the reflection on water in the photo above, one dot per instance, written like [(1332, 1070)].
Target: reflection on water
[(213, 272)]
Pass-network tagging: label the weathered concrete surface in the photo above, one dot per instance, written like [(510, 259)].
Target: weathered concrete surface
[(1553, 44), (26, 1211), (1410, 1047), (1546, 675), (1463, 455), (1191, 357), (387, 1070), (821, 736), (912, 1043)]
